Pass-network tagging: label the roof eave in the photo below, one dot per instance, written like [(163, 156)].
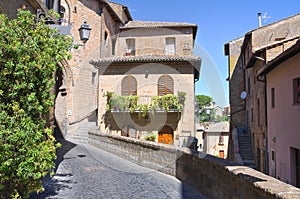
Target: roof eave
[(292, 51)]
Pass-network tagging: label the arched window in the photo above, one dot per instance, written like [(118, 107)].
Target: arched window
[(165, 85), (129, 86), (105, 38)]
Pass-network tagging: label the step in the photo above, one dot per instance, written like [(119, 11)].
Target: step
[(248, 161)]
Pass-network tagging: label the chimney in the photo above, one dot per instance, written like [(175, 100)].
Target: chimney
[(259, 19)]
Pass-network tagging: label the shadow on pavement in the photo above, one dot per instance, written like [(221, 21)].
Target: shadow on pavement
[(53, 185)]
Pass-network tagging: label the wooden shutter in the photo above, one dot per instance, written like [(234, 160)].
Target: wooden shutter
[(165, 85), (129, 86)]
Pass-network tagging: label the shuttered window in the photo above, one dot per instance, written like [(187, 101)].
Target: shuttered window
[(129, 86), (165, 85)]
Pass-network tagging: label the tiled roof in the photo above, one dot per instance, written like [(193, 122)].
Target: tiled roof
[(152, 24), (147, 58), (193, 60), (218, 127), (290, 52)]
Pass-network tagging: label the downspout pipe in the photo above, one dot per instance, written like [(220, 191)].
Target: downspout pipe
[(101, 28)]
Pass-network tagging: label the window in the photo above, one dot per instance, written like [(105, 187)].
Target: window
[(272, 97), (296, 90), (258, 113), (113, 46), (165, 85), (53, 4), (105, 38), (49, 4), (273, 163), (170, 46), (130, 47), (62, 14), (93, 78), (249, 85), (129, 86), (221, 140)]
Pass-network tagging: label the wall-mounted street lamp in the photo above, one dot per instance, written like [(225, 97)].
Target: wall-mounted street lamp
[(84, 32)]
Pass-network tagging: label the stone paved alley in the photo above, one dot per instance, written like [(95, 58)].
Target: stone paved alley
[(84, 171)]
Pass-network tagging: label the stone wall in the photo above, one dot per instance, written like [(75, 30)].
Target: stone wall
[(214, 177)]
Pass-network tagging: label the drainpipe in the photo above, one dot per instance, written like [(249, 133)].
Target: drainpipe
[(266, 116), (101, 29)]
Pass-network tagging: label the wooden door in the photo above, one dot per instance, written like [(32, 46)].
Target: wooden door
[(221, 154), (165, 135)]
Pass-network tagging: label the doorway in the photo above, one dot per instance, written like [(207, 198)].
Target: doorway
[(165, 135)]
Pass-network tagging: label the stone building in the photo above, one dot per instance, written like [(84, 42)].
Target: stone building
[(215, 139), (282, 76), (151, 59), (76, 84), (128, 46), (246, 57)]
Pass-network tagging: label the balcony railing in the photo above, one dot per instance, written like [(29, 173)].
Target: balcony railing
[(143, 103)]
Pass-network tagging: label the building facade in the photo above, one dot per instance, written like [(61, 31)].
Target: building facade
[(152, 59), (130, 46), (282, 76), (215, 139), (246, 57)]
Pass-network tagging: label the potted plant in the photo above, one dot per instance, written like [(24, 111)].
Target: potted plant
[(108, 96), (150, 137), (181, 97), (143, 110)]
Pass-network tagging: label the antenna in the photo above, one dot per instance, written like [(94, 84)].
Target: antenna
[(265, 17)]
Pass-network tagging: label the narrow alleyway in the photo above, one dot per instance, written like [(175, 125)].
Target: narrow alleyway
[(84, 171)]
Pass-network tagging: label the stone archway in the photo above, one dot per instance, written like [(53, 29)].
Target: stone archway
[(63, 84), (166, 135)]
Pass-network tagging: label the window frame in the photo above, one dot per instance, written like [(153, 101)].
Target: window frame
[(130, 50), (272, 97), (296, 90), (168, 85), (130, 91), (168, 51)]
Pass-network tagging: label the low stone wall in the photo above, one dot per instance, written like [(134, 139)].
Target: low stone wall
[(214, 177)]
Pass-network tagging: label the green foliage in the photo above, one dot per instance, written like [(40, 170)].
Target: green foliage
[(165, 102), (29, 53), (203, 101), (143, 110), (181, 97), (150, 137), (122, 103)]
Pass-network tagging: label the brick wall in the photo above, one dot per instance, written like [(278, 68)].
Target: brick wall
[(214, 177)]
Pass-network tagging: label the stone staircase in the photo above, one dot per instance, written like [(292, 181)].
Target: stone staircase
[(245, 149)]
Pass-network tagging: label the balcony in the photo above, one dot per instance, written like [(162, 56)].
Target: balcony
[(142, 112)]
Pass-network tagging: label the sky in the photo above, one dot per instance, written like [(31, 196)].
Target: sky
[(219, 21)]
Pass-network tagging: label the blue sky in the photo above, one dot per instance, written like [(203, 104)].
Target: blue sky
[(218, 21)]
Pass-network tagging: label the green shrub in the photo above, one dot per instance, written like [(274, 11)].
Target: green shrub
[(150, 137), (29, 52)]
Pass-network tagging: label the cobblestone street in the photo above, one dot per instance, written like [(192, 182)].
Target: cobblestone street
[(87, 172)]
